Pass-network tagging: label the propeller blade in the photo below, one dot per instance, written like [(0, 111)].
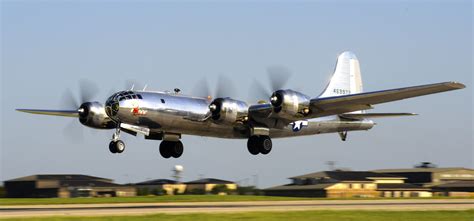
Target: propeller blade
[(258, 91), (88, 90), (225, 87), (68, 101), (278, 77), (202, 89), (74, 131)]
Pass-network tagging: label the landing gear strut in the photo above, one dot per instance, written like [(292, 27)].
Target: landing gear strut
[(259, 144), (116, 145), (171, 149)]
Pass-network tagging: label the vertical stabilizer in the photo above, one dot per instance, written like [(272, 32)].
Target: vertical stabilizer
[(346, 78)]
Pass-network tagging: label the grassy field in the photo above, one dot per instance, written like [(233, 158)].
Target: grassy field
[(167, 198), (293, 216)]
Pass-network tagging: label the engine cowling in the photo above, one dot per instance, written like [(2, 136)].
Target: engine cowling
[(92, 114), (290, 104), (228, 111)]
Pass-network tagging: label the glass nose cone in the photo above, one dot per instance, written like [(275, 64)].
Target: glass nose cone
[(112, 106)]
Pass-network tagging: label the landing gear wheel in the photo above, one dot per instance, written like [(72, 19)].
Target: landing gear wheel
[(265, 144), (252, 145), (112, 147), (171, 149), (116, 146), (119, 146), (165, 149), (177, 149)]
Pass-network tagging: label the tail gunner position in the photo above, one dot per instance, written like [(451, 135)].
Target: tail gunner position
[(166, 116)]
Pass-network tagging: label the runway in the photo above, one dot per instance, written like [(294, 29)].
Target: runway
[(226, 207)]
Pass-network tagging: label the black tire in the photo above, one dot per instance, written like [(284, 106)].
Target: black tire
[(176, 149), (252, 145), (165, 149), (265, 144), (112, 147), (119, 146)]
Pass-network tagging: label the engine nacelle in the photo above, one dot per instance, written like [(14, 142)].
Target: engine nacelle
[(290, 104), (92, 114), (228, 111)]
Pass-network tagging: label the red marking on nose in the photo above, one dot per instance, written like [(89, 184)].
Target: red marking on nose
[(135, 110)]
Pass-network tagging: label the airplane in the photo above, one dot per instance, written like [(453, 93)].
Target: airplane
[(166, 116)]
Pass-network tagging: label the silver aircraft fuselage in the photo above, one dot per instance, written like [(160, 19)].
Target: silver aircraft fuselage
[(180, 114)]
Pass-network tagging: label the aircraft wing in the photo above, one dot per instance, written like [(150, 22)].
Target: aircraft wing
[(320, 107), (360, 116), (363, 101), (63, 113)]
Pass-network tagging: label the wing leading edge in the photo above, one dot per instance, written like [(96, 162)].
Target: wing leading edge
[(63, 113)]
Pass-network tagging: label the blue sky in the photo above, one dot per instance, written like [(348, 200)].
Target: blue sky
[(48, 46)]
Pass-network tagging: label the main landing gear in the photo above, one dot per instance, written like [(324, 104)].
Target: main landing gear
[(171, 149), (259, 144), (116, 145)]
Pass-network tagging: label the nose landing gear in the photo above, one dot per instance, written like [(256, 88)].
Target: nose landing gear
[(116, 145)]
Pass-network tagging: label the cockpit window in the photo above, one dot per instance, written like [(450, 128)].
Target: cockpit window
[(126, 95)]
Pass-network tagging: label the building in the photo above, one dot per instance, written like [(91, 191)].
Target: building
[(65, 186), (453, 181), (455, 188), (342, 184), (432, 176), (169, 187), (206, 185)]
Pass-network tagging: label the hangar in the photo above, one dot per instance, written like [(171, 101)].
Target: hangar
[(448, 181), (65, 186), (342, 184), (167, 186)]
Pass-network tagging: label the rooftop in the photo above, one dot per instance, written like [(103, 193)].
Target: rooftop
[(348, 175), (157, 182), (418, 170), (61, 177), (210, 180)]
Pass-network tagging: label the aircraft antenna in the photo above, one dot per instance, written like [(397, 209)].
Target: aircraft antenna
[(146, 85), (133, 85)]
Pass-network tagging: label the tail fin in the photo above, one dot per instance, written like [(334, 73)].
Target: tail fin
[(346, 78)]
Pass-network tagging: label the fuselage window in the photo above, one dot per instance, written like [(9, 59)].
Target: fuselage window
[(162, 101)]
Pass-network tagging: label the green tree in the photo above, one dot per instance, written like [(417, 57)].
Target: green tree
[(221, 188)]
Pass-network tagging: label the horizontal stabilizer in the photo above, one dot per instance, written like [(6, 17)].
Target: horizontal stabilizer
[(375, 115), (63, 113)]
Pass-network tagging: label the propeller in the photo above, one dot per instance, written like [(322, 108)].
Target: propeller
[(87, 91), (278, 76), (224, 88)]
